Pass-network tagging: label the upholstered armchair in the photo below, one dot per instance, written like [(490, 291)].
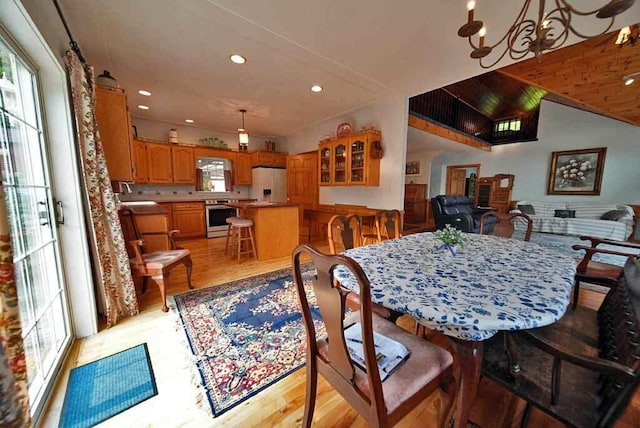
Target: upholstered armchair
[(459, 212)]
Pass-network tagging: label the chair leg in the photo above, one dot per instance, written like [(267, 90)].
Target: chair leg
[(145, 283), (576, 293), (189, 265), (449, 389), (310, 396), (162, 285), (239, 239), (226, 246), (253, 243)]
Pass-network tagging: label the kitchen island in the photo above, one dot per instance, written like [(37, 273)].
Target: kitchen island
[(275, 227)]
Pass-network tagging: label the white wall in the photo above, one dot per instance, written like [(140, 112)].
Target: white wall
[(390, 117), (560, 128), (425, 157)]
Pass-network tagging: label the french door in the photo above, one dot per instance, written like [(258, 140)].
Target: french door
[(24, 166)]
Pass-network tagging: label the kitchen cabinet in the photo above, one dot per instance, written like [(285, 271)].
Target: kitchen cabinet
[(242, 169), (188, 218), (152, 222), (114, 124), (183, 164), (160, 163), (269, 159), (351, 161), (141, 162), (168, 207)]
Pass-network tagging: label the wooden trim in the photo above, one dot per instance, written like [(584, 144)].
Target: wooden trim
[(450, 134)]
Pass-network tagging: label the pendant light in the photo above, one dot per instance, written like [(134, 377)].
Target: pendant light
[(243, 137), (106, 79)]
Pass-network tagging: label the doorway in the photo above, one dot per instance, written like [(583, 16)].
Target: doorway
[(461, 180)]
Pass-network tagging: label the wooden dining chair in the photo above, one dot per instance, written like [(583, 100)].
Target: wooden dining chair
[(156, 265), (582, 369), (505, 225), (381, 404), (388, 225), (600, 273)]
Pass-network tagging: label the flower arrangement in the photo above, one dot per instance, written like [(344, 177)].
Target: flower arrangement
[(450, 238)]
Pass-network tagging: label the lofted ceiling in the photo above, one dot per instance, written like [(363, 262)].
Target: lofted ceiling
[(360, 51)]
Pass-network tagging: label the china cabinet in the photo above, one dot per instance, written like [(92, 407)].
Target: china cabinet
[(350, 161), (494, 192)]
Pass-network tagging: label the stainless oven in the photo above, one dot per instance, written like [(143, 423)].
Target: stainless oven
[(216, 214)]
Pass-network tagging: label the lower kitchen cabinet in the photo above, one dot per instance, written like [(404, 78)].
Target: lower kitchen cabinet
[(188, 218)]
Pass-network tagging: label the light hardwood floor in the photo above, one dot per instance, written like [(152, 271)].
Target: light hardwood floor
[(180, 403)]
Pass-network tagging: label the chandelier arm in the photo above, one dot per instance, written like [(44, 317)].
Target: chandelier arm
[(572, 9), (496, 61), (577, 33)]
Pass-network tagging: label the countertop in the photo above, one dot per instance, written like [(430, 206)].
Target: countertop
[(254, 205), (144, 208)]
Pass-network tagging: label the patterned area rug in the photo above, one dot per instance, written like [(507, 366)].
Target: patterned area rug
[(246, 334)]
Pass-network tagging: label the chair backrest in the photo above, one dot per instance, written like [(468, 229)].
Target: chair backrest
[(330, 297), (448, 204), (506, 226), (344, 233), (619, 340), (388, 224)]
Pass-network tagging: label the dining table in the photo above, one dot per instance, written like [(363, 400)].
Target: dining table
[(488, 285)]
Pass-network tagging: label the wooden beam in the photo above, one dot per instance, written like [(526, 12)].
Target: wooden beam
[(448, 133)]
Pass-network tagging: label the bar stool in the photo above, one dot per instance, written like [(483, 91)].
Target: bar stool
[(229, 220), (243, 232)]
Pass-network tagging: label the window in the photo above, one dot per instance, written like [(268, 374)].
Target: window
[(512, 125), (213, 174)]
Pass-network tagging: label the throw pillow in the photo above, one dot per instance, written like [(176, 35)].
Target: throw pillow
[(614, 215), (565, 213), (526, 209)]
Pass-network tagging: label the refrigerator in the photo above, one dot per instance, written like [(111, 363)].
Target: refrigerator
[(269, 184)]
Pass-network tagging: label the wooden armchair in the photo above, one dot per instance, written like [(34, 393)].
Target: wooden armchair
[(156, 265), (596, 272), (583, 369), (381, 404), (504, 225)]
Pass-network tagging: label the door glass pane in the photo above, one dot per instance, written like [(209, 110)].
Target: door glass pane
[(25, 178)]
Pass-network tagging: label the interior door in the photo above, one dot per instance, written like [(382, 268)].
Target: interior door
[(457, 182), (25, 170), (302, 182)]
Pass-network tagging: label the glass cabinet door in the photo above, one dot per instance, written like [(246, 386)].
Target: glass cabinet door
[(325, 165), (357, 160), (340, 163)]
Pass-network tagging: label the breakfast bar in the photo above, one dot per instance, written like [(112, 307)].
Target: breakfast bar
[(275, 227)]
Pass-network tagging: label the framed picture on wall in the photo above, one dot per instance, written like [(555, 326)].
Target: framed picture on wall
[(576, 172), (412, 168)]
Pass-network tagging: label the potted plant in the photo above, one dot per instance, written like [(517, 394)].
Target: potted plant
[(450, 238)]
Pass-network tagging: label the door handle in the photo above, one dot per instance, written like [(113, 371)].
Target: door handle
[(59, 213)]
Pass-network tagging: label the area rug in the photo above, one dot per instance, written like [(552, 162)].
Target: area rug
[(246, 334), (108, 386)]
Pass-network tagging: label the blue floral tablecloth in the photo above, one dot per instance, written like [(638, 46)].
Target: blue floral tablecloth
[(492, 284)]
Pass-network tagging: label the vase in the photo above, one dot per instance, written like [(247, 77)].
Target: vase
[(450, 247)]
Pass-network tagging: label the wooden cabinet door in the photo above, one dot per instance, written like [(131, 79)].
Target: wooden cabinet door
[(340, 161), (141, 162), (242, 169), (114, 125), (184, 165), (357, 160), (160, 165), (168, 206), (189, 219), (325, 164)]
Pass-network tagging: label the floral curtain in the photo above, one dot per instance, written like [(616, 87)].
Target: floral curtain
[(14, 396), (109, 249)]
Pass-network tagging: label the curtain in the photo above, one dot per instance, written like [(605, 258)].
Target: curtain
[(109, 250), (14, 394), (228, 180)]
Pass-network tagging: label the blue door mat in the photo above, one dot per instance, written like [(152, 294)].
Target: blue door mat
[(108, 386)]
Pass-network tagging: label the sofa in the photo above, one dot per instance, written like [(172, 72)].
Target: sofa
[(605, 221), (458, 211)]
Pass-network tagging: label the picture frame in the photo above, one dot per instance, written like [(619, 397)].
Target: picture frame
[(413, 168), (576, 172)]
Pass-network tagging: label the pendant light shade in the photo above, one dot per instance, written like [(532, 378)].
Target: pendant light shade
[(106, 79), (243, 136)]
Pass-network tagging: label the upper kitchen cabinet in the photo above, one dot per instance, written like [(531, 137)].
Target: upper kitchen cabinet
[(269, 159), (242, 170), (351, 161), (212, 152), (114, 124), (160, 163), (141, 162), (184, 165)]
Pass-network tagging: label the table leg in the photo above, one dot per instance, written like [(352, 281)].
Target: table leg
[(469, 355)]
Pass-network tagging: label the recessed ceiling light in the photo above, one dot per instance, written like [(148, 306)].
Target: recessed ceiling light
[(238, 59), (189, 120), (316, 88), (141, 107), (628, 80), (145, 93)]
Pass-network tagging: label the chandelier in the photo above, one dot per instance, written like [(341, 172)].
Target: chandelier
[(550, 31)]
